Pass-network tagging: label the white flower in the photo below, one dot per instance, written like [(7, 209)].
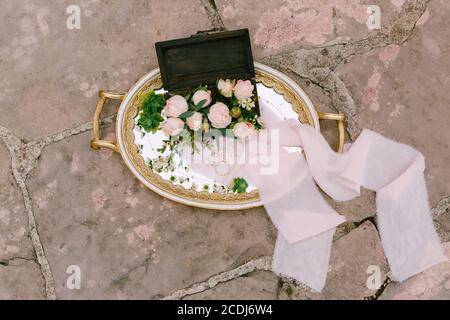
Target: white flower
[(219, 189), (259, 121), (247, 104)]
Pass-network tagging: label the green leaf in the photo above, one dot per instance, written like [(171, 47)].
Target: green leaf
[(200, 105), (150, 111), (186, 115), (240, 185), (204, 111), (162, 149)]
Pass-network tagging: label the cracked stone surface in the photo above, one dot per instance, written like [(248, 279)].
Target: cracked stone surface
[(14, 240), (261, 285), (20, 276), (92, 212), (278, 26), (441, 217), (432, 284), (63, 204), (398, 99), (21, 279), (113, 48), (347, 276)]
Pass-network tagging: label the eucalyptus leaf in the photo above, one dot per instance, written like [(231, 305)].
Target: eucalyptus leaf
[(186, 115), (200, 105), (204, 111)]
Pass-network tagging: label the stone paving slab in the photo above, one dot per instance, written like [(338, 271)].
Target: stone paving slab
[(57, 71), (432, 284), (21, 279), (261, 285), (347, 276), (20, 275), (14, 241), (278, 26), (128, 241), (401, 93), (441, 217)]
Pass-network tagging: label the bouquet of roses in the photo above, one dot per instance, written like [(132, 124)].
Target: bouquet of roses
[(230, 107)]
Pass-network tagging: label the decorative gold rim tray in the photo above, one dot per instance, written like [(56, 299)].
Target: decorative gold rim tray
[(126, 146)]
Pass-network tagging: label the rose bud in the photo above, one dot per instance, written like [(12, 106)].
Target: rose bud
[(205, 126), (175, 106), (225, 87), (235, 112), (200, 95)]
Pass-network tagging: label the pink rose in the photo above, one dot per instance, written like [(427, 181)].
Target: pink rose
[(243, 89), (225, 87), (175, 106), (219, 115), (172, 126), (243, 130), (200, 95), (194, 122)]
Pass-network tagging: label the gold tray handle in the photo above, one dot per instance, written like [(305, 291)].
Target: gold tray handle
[(96, 142), (340, 118)]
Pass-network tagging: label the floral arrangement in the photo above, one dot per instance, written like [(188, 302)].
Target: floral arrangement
[(231, 105)]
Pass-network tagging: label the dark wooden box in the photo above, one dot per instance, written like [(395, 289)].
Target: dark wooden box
[(204, 58)]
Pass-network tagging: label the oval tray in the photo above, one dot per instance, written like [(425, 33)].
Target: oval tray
[(278, 92)]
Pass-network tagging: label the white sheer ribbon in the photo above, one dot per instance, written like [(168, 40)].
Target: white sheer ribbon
[(306, 223)]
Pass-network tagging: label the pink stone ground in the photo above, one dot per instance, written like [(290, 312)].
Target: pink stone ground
[(63, 204)]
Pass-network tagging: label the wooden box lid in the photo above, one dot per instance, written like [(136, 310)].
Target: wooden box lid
[(204, 58)]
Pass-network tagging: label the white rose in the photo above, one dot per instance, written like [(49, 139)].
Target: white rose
[(175, 106), (243, 89), (200, 95), (225, 87), (194, 122), (172, 126), (219, 115), (243, 130)]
